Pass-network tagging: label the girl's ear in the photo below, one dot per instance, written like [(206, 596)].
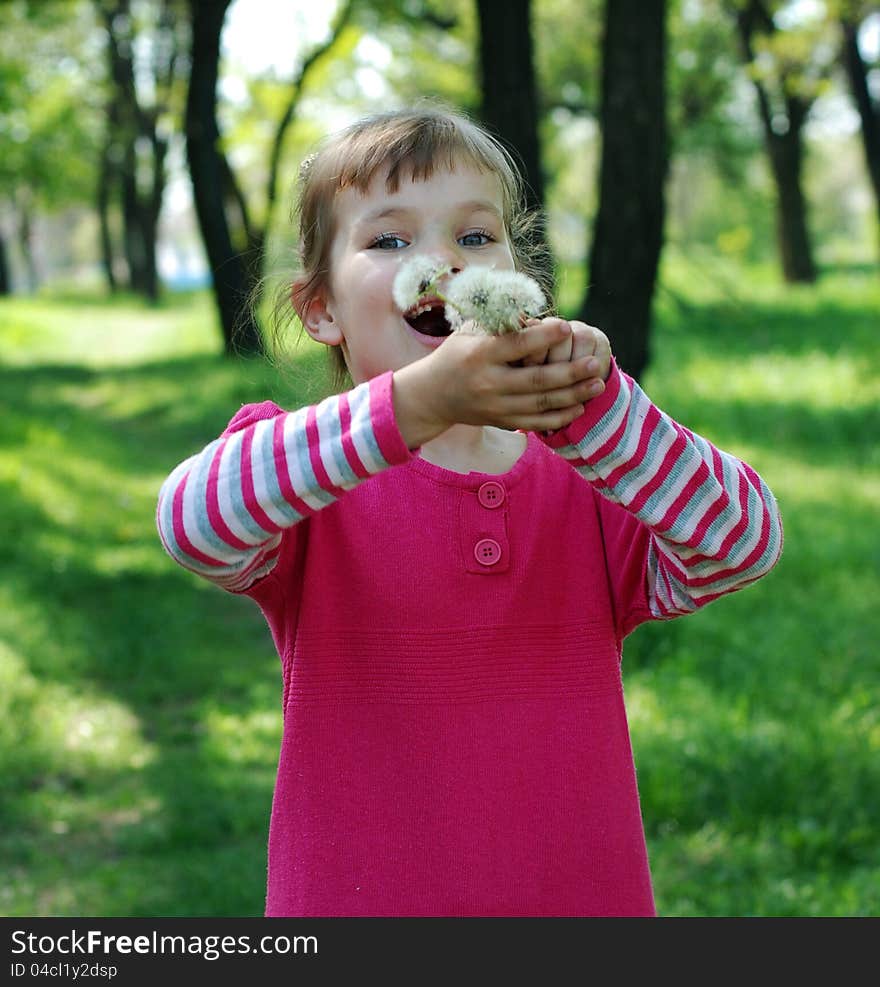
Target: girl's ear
[(315, 314)]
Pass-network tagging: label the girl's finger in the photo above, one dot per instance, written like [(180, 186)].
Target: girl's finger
[(534, 411), (562, 352), (548, 421), (557, 353), (548, 377), (534, 359), (584, 340), (533, 341)]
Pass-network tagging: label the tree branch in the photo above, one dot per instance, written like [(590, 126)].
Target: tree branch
[(287, 117)]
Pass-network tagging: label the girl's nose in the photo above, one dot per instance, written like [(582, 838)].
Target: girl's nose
[(447, 253)]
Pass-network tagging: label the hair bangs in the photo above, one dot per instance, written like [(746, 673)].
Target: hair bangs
[(414, 148)]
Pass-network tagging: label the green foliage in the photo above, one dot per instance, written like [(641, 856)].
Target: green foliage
[(140, 708), (53, 93), (49, 93), (250, 118), (708, 209), (792, 54), (567, 39), (703, 72), (432, 49)]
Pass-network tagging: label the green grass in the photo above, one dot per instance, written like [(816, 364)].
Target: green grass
[(140, 708)]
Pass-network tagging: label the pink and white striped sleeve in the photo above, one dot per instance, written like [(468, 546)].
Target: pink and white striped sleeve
[(221, 513), (715, 526)]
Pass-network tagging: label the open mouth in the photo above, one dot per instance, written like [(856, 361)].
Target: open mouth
[(429, 319)]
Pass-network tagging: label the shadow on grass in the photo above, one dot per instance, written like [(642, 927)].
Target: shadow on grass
[(129, 414), (97, 609), (176, 656)]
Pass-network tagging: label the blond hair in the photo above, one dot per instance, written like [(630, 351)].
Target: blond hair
[(411, 143)]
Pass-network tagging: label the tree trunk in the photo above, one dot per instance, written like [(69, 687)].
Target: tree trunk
[(102, 203), (5, 285), (132, 129), (869, 109), (132, 235), (786, 158), (510, 101), (125, 123), (785, 151), (257, 238), (145, 206), (151, 207), (508, 85), (206, 166), (25, 242), (628, 230)]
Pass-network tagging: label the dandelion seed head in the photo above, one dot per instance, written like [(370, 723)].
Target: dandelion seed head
[(520, 292), (494, 300), (415, 278)]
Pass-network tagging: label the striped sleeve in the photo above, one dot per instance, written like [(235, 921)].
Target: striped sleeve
[(714, 524), (222, 512)]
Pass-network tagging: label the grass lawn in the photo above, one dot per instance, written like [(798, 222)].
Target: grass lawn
[(140, 708)]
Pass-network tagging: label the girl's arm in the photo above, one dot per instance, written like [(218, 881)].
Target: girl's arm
[(713, 524), (221, 513)]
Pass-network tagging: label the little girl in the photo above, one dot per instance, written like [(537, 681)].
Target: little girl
[(449, 554)]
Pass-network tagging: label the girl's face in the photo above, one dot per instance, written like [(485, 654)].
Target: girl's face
[(455, 216)]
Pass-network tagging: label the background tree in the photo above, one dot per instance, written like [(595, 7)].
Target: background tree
[(510, 99), (852, 16), (235, 244), (10, 80), (714, 140), (787, 70), (210, 173), (431, 48), (628, 230), (721, 190), (713, 143), (48, 115), (703, 75), (568, 57), (137, 129), (5, 283), (507, 80)]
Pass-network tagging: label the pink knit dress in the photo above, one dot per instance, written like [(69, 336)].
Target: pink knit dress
[(455, 740)]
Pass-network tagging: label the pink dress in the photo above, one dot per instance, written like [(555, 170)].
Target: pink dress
[(455, 739)]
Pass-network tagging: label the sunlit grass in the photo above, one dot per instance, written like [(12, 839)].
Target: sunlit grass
[(140, 708), (98, 333), (821, 379)]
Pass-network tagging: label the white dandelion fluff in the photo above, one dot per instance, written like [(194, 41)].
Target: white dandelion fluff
[(416, 278), (487, 300), (495, 301), (518, 292)]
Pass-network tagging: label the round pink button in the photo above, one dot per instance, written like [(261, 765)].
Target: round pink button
[(487, 551), (491, 494)]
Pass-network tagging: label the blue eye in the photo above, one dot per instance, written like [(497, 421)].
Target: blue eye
[(476, 238), (388, 241)]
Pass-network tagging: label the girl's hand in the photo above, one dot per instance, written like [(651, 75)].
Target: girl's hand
[(584, 341), (497, 380)]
